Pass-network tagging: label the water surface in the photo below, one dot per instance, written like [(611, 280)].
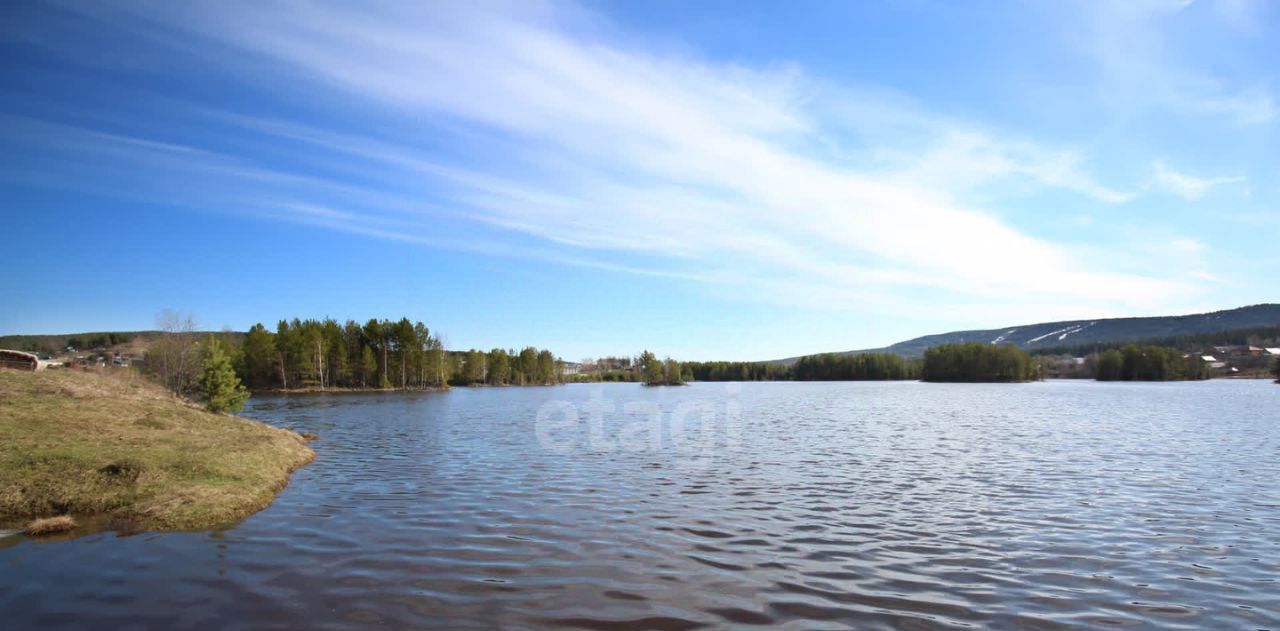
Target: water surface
[(795, 505)]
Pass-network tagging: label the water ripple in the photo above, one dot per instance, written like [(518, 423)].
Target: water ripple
[(894, 506)]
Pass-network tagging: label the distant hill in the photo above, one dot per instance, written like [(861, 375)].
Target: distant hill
[(53, 343), (125, 342), (1048, 335)]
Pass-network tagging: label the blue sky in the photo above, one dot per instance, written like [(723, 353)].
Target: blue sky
[(727, 180)]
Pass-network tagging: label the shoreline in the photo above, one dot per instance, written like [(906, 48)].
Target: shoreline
[(126, 455), (344, 390)]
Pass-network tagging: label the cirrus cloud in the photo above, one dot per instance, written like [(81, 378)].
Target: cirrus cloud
[(618, 156)]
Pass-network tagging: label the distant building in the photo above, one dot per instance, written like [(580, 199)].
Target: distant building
[(1209, 358), (1272, 351)]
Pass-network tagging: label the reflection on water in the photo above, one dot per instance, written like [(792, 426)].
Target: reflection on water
[(895, 505)]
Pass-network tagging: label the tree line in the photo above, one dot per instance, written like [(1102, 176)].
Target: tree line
[(500, 367), (644, 368), (323, 354), (977, 362), (98, 340), (738, 371), (384, 354), (1254, 336), (1148, 363), (859, 367), (949, 362), (617, 375), (821, 367)]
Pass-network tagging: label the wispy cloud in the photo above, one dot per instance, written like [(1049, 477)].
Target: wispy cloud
[(1187, 185), (1252, 106), (1142, 61), (621, 157)]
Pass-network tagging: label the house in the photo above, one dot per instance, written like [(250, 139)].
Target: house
[(1209, 358), (1272, 351)]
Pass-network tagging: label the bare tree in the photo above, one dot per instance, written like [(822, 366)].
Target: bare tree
[(173, 356), (442, 354), (319, 340)]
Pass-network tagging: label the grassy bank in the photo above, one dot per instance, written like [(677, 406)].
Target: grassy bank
[(90, 444)]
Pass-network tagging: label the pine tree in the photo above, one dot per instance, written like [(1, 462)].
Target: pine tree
[(218, 383), (406, 340), (650, 367), (258, 357), (527, 366), (472, 369), (546, 367), (499, 364)]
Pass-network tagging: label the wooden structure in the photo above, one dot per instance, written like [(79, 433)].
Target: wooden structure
[(19, 360)]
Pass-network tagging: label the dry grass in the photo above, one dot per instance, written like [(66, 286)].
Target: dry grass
[(90, 444), (49, 526)]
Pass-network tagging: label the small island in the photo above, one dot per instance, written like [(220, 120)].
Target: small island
[(662, 372), (125, 451)]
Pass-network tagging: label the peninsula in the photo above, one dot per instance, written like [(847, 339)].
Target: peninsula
[(120, 448)]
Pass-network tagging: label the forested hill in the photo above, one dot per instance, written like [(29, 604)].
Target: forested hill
[(1077, 332)]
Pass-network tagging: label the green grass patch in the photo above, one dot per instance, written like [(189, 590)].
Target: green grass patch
[(89, 444)]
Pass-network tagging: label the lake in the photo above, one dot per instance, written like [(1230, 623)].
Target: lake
[(796, 505)]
